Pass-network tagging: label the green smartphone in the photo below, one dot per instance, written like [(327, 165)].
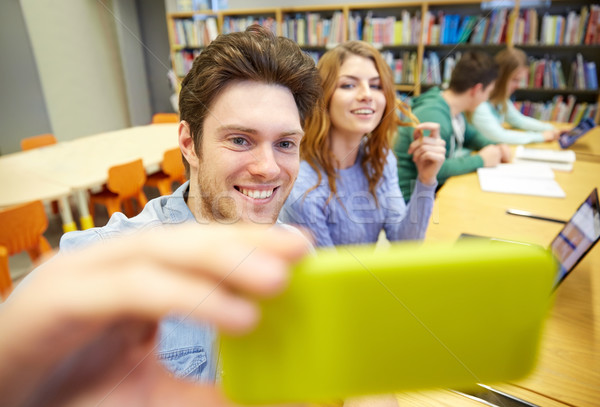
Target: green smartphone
[(357, 321)]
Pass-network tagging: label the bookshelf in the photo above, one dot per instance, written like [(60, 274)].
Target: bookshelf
[(420, 39)]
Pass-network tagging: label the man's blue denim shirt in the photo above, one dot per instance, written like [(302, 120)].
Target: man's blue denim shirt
[(186, 347)]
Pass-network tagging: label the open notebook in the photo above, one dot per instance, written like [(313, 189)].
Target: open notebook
[(575, 239)]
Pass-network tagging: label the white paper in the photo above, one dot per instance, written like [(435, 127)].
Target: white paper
[(524, 179)]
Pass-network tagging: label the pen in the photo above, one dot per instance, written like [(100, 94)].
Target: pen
[(519, 212)]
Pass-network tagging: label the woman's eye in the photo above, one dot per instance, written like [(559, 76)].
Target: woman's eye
[(347, 86)]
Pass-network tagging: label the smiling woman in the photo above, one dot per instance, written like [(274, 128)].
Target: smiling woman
[(347, 189)]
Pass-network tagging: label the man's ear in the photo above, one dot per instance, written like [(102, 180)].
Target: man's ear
[(186, 144), (477, 89)]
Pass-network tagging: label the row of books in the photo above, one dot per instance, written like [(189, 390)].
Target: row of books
[(238, 24), (313, 30), (437, 72), (404, 68), (583, 74), (196, 5), (387, 30), (560, 109), (198, 31), (502, 26), (545, 73), (549, 74), (441, 28), (183, 60), (572, 29)]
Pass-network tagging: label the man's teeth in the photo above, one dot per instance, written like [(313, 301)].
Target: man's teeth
[(363, 111), (257, 194)]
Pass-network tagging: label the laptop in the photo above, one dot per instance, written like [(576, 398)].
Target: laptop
[(358, 320), (567, 138), (575, 239)]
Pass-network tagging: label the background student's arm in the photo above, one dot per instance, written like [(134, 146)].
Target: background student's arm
[(543, 131), (475, 140), (488, 124), (519, 121), (459, 166)]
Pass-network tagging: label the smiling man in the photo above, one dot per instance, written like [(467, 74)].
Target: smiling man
[(242, 108)]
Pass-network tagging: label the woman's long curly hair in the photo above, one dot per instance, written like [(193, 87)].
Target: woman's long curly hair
[(316, 144)]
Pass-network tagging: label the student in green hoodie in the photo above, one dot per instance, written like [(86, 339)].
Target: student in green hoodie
[(471, 83)]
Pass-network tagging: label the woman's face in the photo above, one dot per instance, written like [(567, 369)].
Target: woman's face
[(358, 102), (520, 75)]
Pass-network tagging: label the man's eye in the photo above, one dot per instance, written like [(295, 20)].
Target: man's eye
[(286, 144), (240, 141)]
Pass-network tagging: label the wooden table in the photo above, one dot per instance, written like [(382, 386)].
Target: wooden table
[(21, 185), (568, 372), (73, 167), (569, 367)]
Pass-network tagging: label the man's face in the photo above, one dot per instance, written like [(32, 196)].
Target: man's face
[(249, 157)]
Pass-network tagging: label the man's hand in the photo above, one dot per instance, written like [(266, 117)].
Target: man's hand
[(428, 153), (491, 155), (80, 329)]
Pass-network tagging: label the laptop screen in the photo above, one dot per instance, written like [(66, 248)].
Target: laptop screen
[(578, 236)]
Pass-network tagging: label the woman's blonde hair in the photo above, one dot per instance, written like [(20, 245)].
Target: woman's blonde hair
[(315, 147), (508, 60)]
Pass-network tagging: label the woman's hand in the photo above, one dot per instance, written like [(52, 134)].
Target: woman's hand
[(428, 152)]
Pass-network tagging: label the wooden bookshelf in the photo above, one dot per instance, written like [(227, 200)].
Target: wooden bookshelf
[(422, 44)]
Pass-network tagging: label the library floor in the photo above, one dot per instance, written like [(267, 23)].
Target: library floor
[(20, 264)]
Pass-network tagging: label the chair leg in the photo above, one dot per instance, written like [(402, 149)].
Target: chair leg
[(113, 206), (164, 187), (42, 247), (142, 200), (54, 205), (128, 205)]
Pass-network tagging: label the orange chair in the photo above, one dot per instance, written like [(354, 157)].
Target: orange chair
[(42, 140), (125, 183), (22, 228), (172, 170), (5, 280), (165, 118)]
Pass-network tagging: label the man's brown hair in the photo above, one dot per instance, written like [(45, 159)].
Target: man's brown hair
[(253, 55), (472, 68)]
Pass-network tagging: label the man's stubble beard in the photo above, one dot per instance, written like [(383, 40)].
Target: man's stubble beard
[(221, 207)]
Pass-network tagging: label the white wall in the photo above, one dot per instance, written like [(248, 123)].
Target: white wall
[(131, 46), (77, 53)]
